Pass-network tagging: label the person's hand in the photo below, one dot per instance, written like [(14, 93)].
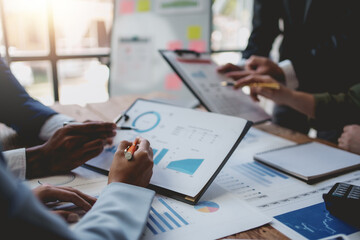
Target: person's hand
[(279, 96), (48, 193), (350, 139), (138, 171), (264, 66), (69, 147), (229, 67), (254, 65)]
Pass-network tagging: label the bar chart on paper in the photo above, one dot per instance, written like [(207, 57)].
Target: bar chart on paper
[(187, 166), (163, 217)]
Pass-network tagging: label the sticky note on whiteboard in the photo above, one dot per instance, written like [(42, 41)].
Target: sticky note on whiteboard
[(127, 6), (173, 45), (194, 32), (172, 82), (143, 5), (197, 45)]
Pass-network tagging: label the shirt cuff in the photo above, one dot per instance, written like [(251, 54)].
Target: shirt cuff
[(291, 80), (54, 123), (16, 162)]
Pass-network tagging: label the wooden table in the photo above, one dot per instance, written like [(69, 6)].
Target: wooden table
[(109, 110)]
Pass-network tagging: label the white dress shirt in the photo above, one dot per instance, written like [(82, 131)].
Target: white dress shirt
[(16, 159)]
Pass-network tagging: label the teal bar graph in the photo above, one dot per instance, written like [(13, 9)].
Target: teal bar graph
[(160, 156), (188, 166)]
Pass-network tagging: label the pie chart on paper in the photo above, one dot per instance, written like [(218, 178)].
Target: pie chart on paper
[(207, 207)]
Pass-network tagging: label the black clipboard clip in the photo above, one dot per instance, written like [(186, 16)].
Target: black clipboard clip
[(180, 52), (195, 57)]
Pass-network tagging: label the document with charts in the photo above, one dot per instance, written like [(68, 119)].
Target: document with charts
[(190, 147), (199, 73)]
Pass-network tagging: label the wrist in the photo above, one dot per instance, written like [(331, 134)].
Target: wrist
[(35, 162)]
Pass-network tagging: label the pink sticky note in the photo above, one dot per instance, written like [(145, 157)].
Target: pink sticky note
[(197, 45), (173, 45), (173, 82), (127, 6)]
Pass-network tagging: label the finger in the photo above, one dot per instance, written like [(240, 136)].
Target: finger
[(254, 96), (70, 196), (86, 197), (123, 145), (86, 156), (238, 74), (144, 144), (92, 127), (253, 62), (69, 217)]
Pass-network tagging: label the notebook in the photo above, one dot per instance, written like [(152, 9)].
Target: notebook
[(311, 162)]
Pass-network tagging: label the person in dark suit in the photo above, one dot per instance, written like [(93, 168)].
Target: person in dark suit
[(316, 53), (61, 148)]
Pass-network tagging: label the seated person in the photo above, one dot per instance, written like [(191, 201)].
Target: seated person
[(120, 212), (325, 110), (66, 148)]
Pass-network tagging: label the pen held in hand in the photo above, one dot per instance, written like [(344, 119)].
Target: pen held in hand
[(264, 85), (129, 152)]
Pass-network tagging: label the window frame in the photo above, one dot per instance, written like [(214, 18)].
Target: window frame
[(52, 57)]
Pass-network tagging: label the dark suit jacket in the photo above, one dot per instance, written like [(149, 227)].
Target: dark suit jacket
[(319, 37), (17, 109)]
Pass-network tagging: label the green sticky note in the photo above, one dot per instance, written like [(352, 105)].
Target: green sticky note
[(143, 5), (194, 32)]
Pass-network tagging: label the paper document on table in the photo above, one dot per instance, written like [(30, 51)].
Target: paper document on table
[(217, 214), (80, 178), (276, 194), (190, 147), (200, 75)]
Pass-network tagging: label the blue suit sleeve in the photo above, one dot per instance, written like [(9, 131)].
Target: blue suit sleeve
[(18, 110), (120, 212)]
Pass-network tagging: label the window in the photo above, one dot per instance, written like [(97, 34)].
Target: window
[(231, 29), (53, 44)]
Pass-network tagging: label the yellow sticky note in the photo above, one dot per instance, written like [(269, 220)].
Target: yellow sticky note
[(143, 5), (194, 32)]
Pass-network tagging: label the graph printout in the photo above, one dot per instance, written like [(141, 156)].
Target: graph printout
[(188, 145), (171, 219)]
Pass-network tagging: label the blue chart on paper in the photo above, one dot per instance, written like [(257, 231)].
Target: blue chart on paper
[(188, 166), (199, 74), (259, 173), (146, 121), (315, 222), (160, 156), (111, 149), (162, 221)]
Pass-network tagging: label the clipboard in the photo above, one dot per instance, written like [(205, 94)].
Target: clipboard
[(198, 73), (190, 147)]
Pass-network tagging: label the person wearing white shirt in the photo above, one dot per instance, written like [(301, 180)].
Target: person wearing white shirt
[(120, 212)]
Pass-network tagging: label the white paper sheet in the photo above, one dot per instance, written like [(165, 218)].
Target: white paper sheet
[(218, 214), (188, 145)]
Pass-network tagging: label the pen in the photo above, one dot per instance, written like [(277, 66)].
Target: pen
[(117, 128), (265, 85), (129, 152)]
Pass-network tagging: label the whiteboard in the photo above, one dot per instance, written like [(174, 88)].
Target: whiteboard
[(143, 27)]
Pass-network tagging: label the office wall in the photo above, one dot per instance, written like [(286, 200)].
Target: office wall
[(141, 28)]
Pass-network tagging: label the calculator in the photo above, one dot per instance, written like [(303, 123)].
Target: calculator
[(343, 201)]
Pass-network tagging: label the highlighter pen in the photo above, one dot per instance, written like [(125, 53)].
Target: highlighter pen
[(264, 85), (129, 152), (117, 128)]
